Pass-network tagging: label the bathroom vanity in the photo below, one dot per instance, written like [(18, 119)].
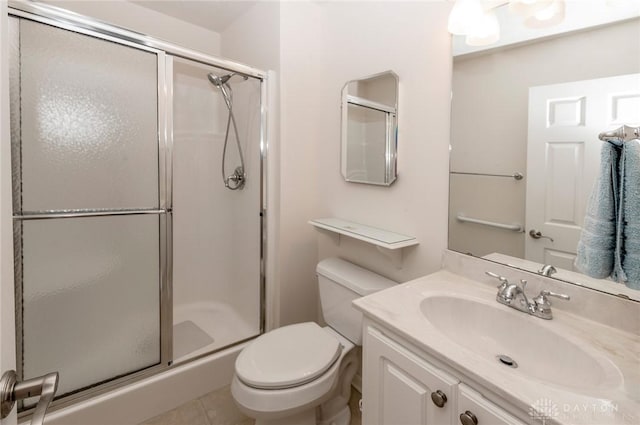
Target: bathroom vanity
[(441, 350)]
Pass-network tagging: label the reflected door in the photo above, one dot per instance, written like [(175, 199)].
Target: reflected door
[(89, 216), (563, 155)]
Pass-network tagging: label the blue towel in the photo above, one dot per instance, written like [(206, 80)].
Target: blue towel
[(610, 242), (629, 221), (597, 245)]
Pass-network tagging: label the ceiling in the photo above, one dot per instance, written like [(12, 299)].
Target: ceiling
[(213, 15)]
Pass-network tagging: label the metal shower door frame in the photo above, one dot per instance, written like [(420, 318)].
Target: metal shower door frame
[(66, 20)]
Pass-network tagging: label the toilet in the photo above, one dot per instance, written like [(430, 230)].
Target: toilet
[(301, 374)]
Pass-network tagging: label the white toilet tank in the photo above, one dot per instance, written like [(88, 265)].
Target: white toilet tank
[(341, 282)]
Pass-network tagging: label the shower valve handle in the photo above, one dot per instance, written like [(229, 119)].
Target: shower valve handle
[(238, 179)]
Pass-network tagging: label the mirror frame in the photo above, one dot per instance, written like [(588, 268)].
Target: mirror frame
[(391, 148)]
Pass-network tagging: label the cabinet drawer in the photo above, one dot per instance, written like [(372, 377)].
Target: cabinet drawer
[(486, 412)]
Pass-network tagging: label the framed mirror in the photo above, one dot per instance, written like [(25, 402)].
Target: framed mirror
[(370, 129), (525, 150)]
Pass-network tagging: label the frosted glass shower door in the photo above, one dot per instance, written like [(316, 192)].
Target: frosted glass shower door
[(90, 220)]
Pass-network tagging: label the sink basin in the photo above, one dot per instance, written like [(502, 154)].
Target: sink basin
[(489, 329)]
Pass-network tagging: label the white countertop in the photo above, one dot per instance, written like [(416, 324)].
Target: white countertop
[(399, 310)]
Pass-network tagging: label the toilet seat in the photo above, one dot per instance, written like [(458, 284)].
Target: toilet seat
[(288, 357), (275, 404)]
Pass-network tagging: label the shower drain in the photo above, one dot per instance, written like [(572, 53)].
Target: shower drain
[(507, 361)]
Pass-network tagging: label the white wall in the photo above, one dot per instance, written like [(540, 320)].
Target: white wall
[(324, 45), (140, 19), (216, 233)]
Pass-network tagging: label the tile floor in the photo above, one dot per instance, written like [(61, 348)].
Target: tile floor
[(218, 408)]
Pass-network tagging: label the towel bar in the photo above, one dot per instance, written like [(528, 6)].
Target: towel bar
[(624, 134), (513, 227), (517, 175)]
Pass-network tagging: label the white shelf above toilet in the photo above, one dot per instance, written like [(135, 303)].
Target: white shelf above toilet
[(388, 243)]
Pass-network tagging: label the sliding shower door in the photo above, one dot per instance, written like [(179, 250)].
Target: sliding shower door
[(90, 215)]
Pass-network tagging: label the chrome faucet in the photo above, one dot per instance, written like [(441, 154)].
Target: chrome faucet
[(547, 270), (514, 296)]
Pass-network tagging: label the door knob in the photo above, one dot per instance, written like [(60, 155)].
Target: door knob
[(11, 391), (537, 234)]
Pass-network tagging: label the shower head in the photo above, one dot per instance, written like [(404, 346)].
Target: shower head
[(218, 81)]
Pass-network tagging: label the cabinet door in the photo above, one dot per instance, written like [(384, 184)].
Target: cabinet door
[(471, 403), (397, 385)]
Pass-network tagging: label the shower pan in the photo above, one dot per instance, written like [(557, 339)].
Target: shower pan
[(130, 256)]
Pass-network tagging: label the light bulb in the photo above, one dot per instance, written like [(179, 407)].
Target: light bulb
[(485, 31), (527, 8), (549, 16), (463, 16)]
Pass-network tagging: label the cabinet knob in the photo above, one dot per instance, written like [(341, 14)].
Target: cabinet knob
[(468, 418), (438, 398)]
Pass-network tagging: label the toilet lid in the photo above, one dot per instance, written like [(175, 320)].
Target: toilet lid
[(287, 357)]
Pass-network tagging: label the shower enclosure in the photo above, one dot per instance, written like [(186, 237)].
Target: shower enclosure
[(216, 235), (131, 253)]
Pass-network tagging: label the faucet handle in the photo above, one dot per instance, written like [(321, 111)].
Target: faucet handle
[(542, 304), (523, 282), (503, 280), (545, 293)]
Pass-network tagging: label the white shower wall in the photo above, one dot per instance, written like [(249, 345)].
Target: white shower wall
[(216, 231), (198, 220)]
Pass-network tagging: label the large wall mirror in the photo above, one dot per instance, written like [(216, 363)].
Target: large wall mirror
[(524, 144), (370, 129)]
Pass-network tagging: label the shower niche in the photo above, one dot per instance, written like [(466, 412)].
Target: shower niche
[(131, 253)]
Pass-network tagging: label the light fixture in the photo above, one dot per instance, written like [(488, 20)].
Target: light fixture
[(477, 20), (527, 8), (485, 31), (549, 16), (464, 16)]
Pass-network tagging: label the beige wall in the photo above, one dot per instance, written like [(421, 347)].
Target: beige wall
[(140, 19), (315, 48), (254, 39), (489, 115), (302, 67), (324, 45)]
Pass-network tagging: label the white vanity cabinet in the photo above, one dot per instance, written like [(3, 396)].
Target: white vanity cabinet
[(398, 385), (473, 405)]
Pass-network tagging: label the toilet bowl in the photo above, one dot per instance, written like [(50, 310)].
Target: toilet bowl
[(301, 374)]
